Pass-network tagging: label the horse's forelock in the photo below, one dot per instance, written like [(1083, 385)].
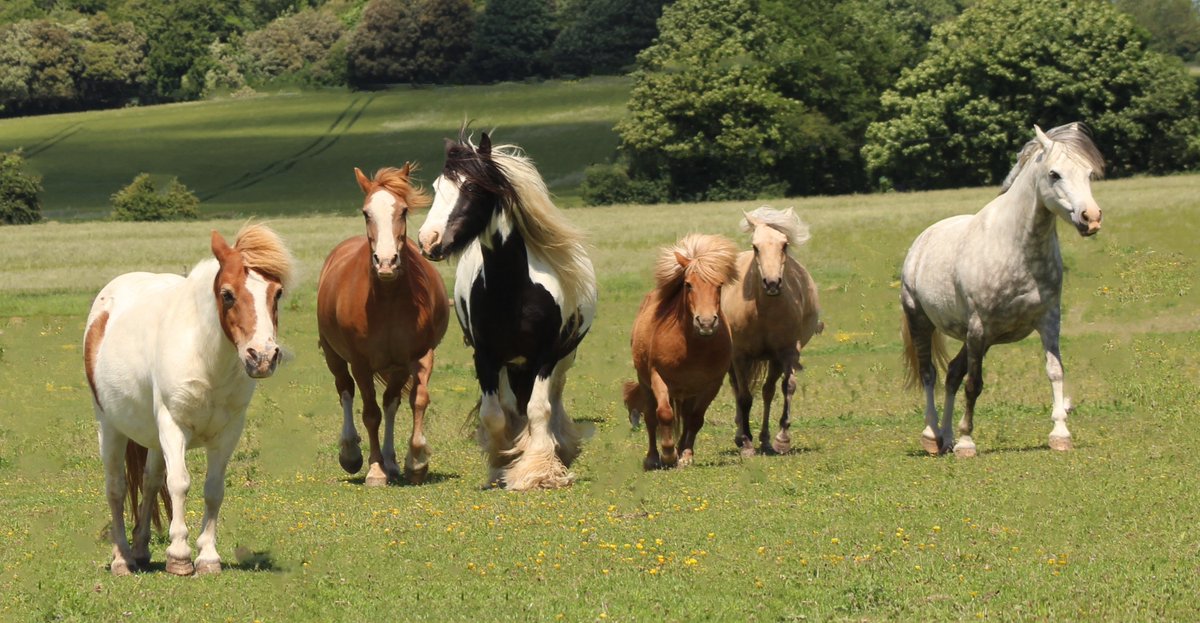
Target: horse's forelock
[(712, 258), (399, 183), (262, 250), (1076, 137)]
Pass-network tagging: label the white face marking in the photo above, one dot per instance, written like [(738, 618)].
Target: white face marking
[(445, 197), (263, 338), (382, 206)]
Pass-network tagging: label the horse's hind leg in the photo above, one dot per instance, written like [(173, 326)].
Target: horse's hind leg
[(349, 454), (566, 436), (918, 338), (392, 394), (538, 464), (782, 443), (112, 452), (372, 417), (153, 483), (774, 371), (416, 462), (1060, 437), (739, 382), (955, 371)]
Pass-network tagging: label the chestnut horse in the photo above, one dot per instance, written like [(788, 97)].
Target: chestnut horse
[(681, 345), (773, 312), (381, 310), (172, 363)]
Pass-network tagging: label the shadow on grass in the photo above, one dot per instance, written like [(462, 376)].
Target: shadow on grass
[(245, 559), (433, 477), (919, 453)]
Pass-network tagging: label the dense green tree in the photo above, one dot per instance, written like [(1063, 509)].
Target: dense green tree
[(112, 61), (141, 200), (512, 40), (446, 28), (957, 117), (19, 191), (381, 47), (604, 36), (1173, 25), (293, 46)]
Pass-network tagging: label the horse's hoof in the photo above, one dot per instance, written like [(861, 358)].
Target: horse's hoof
[(651, 463), (351, 458), (417, 475), (122, 568), (747, 450), (635, 419), (208, 568), (963, 451), (930, 446), (782, 444), (670, 460), (376, 477), (141, 562), (180, 566), (685, 458), (1061, 444)]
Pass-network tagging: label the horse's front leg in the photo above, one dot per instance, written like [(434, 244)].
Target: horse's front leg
[(372, 417), (112, 452), (955, 373), (739, 381), (774, 372), (566, 435), (664, 419), (539, 465), (219, 451), (1060, 437), (493, 431), (416, 462), (174, 444), (782, 443), (965, 446)]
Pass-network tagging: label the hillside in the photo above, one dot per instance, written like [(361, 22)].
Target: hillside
[(293, 153)]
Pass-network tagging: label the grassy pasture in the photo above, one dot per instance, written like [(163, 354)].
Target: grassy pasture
[(855, 525), (259, 155)]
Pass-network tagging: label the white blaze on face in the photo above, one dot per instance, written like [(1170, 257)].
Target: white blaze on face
[(381, 207), (263, 337), (445, 197)]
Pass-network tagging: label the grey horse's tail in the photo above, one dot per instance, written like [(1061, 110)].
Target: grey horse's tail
[(912, 357)]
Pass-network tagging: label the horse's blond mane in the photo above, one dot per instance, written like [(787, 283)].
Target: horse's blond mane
[(264, 251), (784, 221), (399, 182), (713, 259), (544, 229), (1077, 139)]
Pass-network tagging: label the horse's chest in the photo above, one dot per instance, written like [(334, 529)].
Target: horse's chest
[(206, 410)]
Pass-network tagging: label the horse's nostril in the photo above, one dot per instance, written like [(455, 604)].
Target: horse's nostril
[(375, 259), (252, 354)]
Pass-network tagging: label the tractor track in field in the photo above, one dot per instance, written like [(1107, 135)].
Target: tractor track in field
[(338, 128), (52, 140)]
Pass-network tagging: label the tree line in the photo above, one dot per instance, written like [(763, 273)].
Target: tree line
[(58, 55)]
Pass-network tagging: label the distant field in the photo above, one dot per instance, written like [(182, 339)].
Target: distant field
[(857, 524), (293, 153)]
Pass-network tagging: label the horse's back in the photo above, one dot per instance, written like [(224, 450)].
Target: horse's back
[(759, 323), (928, 276)]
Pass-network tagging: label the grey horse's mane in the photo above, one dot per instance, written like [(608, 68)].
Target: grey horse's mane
[(1075, 136)]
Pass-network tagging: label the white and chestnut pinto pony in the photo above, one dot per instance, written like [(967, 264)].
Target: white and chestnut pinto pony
[(525, 296), (172, 363), (773, 311), (994, 277)]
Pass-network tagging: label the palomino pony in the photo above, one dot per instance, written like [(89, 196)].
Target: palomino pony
[(772, 311), (381, 310), (525, 296), (681, 345), (994, 277), (172, 362)]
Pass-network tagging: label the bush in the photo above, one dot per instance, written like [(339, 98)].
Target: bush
[(607, 184), (141, 201), (957, 117), (604, 36), (19, 191)]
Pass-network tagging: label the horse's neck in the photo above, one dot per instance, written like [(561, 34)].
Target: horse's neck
[(1019, 215)]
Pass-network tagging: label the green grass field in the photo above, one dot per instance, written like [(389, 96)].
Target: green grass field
[(855, 525), (292, 153)]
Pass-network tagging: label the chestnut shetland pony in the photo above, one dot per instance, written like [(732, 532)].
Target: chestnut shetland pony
[(681, 345), (172, 363), (381, 310), (772, 311)]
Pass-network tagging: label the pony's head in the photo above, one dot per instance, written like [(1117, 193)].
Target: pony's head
[(772, 232), (469, 193), (1063, 162), (700, 264), (389, 197), (251, 278)]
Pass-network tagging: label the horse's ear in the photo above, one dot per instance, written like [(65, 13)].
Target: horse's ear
[(1041, 137), (220, 248), (485, 144), (363, 182), (406, 170), (750, 220), (682, 259)]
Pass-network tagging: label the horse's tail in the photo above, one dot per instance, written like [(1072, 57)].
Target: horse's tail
[(912, 360), (635, 402), (135, 468), (381, 380)]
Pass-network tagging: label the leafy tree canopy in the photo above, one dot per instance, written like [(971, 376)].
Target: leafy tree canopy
[(19, 190)]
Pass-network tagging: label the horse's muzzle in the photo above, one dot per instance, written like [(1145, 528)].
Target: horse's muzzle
[(433, 253), (261, 365)]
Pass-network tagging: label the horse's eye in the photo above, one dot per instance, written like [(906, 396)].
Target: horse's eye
[(1055, 177), (278, 295), (367, 215), (227, 298), (755, 249)]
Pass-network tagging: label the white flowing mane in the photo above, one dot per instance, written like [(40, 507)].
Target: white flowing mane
[(784, 221), (547, 233)]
